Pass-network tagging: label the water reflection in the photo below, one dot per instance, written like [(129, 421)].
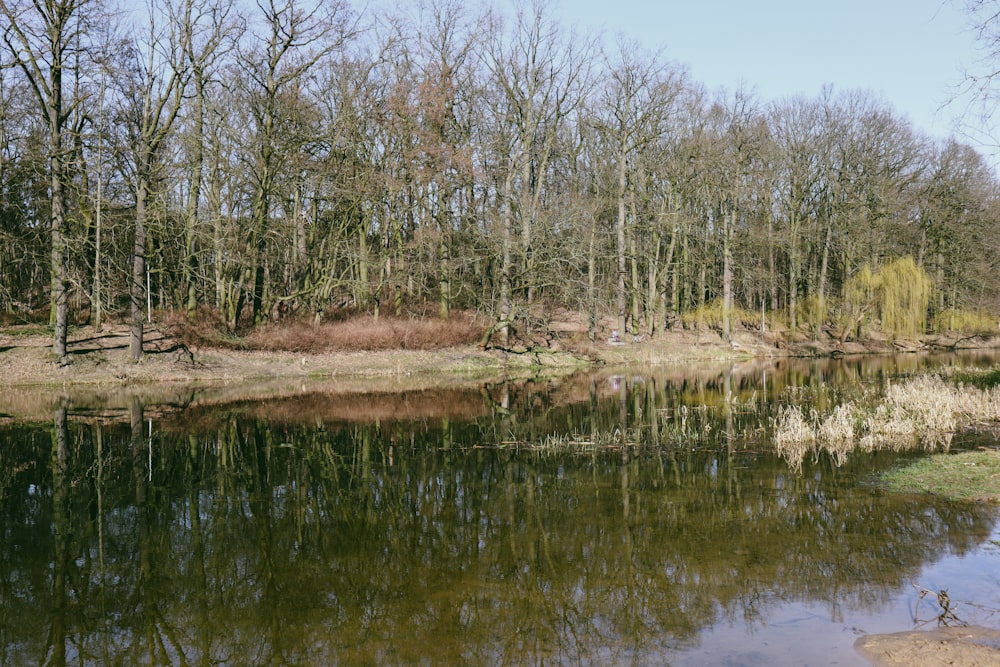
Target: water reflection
[(339, 534)]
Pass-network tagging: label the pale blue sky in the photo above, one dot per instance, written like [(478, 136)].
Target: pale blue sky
[(910, 52)]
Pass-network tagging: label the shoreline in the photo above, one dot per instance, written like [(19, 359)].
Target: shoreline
[(101, 358), (102, 377)]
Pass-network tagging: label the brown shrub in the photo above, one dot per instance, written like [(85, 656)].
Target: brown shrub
[(358, 333), (367, 333), (206, 328)]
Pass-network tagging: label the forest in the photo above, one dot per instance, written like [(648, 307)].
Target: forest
[(299, 158)]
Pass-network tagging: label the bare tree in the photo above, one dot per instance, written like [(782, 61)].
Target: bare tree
[(295, 37), (41, 36), (154, 95), (635, 106), (541, 76), (211, 35), (979, 88), (797, 125), (446, 39)]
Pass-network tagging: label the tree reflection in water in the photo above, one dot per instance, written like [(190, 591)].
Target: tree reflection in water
[(255, 534)]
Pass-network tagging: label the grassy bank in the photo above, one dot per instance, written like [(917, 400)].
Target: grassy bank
[(962, 476)]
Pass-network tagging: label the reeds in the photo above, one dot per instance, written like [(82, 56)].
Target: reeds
[(598, 441), (923, 411)]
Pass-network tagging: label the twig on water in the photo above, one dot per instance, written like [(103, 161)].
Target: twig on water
[(947, 615)]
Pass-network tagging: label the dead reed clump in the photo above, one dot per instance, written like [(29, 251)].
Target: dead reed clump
[(794, 437), (205, 329), (888, 428), (358, 333), (931, 404), (923, 411), (837, 433)]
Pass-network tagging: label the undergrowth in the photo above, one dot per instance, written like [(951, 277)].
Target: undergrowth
[(355, 334)]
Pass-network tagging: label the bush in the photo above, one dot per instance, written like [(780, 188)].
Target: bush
[(710, 316)]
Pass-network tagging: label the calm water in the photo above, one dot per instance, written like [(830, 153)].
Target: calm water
[(606, 520)]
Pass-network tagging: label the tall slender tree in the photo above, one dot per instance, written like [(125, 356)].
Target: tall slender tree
[(41, 36), (155, 93), (636, 102)]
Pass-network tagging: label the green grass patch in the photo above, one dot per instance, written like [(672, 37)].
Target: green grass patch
[(981, 379), (963, 476)]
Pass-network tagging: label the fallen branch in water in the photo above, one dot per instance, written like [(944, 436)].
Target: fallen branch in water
[(947, 615)]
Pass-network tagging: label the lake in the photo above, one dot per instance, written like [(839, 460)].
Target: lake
[(608, 518)]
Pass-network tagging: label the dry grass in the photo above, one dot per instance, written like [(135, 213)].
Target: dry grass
[(360, 333), (923, 411)]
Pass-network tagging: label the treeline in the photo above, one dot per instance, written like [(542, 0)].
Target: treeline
[(286, 156)]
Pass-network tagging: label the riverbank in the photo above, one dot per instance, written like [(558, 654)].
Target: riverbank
[(176, 369), (100, 358)]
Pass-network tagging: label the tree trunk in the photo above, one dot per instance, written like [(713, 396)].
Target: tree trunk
[(59, 259), (729, 223), (506, 269), (793, 268), (670, 268), (823, 269), (772, 265), (653, 300), (137, 290), (592, 280), (194, 196), (445, 284), (636, 295), (620, 243)]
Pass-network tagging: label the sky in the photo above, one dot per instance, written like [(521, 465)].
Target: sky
[(911, 53)]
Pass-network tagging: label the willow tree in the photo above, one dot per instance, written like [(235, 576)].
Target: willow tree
[(906, 291), (898, 294)]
